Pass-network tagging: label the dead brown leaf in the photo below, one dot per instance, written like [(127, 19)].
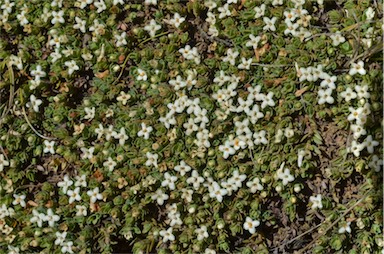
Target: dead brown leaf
[(274, 82), (98, 175), (301, 91), (259, 52), (32, 203), (102, 75)]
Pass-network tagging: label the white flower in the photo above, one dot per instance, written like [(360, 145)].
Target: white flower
[(300, 156), (259, 11), (245, 64), (60, 237), (94, 195), (231, 56), (34, 103), (121, 136), (55, 55), (211, 18), (375, 163), (370, 13), (217, 192), (17, 61), (38, 218), (90, 113), (152, 28), (159, 196), (167, 235), (201, 233), (358, 130), (337, 39), (224, 11), (65, 184), (124, 97), (253, 42), (67, 247), (57, 17), (316, 201), (227, 149), (81, 181), (250, 225), (49, 147), (87, 153), (254, 114), (169, 181), (145, 131), (182, 168), (100, 5), (209, 251), (177, 20), (74, 195), (267, 100), (345, 228), (329, 82), (109, 132), (187, 194), (325, 96), (348, 94), (237, 179), (357, 68), (7, 6), (370, 144), (195, 180), (110, 164), (33, 84), (51, 218), (81, 210), (22, 19), (291, 28), (120, 40), (277, 2), (168, 120), (290, 16), (3, 162), (260, 137), (19, 199), (269, 23), (285, 175), (254, 185), (116, 2), (72, 66), (97, 28), (362, 92), (80, 24), (210, 4), (84, 3), (356, 148), (148, 2), (190, 126), (356, 114), (151, 159), (141, 75)]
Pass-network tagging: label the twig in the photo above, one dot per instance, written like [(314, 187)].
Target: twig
[(121, 72), (126, 58), (34, 130), (333, 224), (297, 237), (214, 38)]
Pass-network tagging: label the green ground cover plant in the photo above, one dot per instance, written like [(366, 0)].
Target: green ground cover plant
[(174, 126)]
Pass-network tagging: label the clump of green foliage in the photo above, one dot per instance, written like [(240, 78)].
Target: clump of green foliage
[(175, 126)]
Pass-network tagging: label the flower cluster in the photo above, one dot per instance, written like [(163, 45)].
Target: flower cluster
[(189, 126)]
